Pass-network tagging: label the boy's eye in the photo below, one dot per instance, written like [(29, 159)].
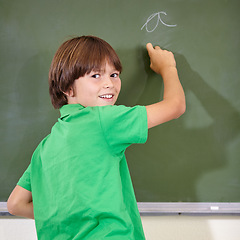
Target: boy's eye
[(96, 76), (114, 75)]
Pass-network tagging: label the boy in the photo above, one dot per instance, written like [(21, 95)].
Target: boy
[(78, 180)]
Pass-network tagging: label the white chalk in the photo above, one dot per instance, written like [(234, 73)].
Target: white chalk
[(214, 208)]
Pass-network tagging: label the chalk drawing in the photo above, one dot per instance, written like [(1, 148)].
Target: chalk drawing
[(158, 15)]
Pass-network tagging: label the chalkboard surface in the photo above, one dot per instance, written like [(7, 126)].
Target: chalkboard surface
[(193, 159)]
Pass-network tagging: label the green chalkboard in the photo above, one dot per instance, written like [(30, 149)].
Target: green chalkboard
[(193, 159)]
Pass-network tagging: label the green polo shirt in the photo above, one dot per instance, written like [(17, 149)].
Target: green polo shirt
[(79, 177)]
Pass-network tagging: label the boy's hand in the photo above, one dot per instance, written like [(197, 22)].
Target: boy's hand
[(161, 60)]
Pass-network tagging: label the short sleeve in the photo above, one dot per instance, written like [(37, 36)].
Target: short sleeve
[(25, 180), (123, 126)]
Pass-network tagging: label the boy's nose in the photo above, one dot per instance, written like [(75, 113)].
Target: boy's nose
[(108, 83)]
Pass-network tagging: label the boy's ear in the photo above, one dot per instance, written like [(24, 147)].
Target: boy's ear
[(69, 92)]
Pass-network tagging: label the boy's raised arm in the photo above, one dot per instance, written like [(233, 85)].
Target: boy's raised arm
[(173, 104)]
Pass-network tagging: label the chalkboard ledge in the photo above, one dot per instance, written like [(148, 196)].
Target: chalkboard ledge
[(161, 208), (171, 208)]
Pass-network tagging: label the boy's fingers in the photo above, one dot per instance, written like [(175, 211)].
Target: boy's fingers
[(149, 47)]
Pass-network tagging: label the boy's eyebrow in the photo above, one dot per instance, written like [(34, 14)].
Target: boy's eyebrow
[(102, 70), (97, 70)]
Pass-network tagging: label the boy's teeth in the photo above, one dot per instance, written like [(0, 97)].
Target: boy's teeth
[(106, 96)]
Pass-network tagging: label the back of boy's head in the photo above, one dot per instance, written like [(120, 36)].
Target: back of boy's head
[(75, 58)]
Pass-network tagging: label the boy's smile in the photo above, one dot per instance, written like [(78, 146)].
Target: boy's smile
[(98, 88)]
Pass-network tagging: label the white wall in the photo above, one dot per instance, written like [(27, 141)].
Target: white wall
[(192, 227), (156, 228)]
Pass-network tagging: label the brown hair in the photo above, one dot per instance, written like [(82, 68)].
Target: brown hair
[(75, 58)]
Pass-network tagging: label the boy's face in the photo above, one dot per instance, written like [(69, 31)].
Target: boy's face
[(98, 88)]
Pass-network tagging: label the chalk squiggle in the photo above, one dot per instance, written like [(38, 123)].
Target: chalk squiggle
[(159, 19)]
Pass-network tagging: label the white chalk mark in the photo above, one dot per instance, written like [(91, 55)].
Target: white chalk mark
[(158, 19)]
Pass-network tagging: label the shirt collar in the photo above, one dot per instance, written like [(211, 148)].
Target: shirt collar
[(68, 109)]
